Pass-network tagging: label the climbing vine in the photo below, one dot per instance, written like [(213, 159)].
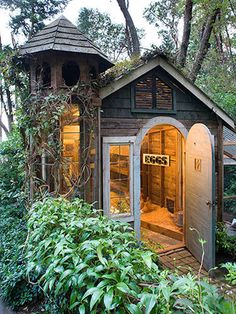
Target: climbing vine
[(41, 119)]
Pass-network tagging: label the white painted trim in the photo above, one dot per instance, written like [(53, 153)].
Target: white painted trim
[(196, 92), (158, 61), (107, 141), (136, 160), (118, 139)]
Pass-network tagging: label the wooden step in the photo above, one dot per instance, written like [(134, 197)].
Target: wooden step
[(159, 229)]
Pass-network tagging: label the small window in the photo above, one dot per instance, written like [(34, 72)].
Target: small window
[(151, 93), (70, 73)]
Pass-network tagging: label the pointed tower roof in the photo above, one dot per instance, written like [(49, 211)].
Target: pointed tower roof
[(62, 35)]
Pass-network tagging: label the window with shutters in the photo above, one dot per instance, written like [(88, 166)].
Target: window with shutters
[(152, 94)]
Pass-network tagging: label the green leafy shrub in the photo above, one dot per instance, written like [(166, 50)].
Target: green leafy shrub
[(15, 288), (84, 260), (12, 163), (224, 243), (231, 276), (86, 263)]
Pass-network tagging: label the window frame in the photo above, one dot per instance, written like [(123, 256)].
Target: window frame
[(154, 108), (107, 142)]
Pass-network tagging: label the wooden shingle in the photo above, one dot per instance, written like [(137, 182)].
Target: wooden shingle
[(62, 35)]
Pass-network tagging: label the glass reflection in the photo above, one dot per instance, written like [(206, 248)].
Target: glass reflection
[(119, 180)]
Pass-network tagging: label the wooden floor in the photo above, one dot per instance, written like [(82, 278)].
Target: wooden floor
[(160, 220), (182, 261), (162, 241)]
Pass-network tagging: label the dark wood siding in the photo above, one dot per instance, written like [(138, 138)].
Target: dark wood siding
[(118, 119)]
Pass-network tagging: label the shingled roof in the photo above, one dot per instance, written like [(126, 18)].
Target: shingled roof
[(62, 35)]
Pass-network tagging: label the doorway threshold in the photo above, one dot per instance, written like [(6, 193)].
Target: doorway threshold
[(171, 248)]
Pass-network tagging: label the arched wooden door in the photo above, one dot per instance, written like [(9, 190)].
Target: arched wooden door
[(200, 194)]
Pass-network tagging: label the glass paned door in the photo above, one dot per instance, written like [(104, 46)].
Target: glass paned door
[(118, 177)]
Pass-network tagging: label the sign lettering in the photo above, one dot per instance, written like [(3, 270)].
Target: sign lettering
[(156, 160)]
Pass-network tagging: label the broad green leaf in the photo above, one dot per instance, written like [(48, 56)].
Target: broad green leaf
[(80, 280), (133, 309), (80, 267), (95, 298), (125, 272), (59, 247), (45, 287), (73, 297), (184, 304), (122, 287), (150, 301), (108, 297), (51, 283), (74, 305), (82, 309), (147, 257), (59, 269), (166, 292), (66, 273), (89, 292), (58, 288), (100, 256)]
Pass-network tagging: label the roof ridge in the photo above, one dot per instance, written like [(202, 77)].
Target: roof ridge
[(56, 31)]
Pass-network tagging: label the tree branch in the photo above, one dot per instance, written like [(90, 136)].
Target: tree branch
[(204, 45), (188, 14), (131, 28), (2, 125)]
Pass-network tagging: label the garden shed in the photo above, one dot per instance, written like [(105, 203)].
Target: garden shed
[(155, 157)]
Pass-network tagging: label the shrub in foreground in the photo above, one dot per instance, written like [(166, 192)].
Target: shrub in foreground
[(86, 263), (14, 286), (225, 244)]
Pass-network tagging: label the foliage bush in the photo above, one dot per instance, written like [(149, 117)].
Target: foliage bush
[(225, 244), (15, 288), (86, 263), (231, 276), (12, 163)]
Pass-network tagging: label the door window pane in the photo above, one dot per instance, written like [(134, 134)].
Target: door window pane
[(120, 180)]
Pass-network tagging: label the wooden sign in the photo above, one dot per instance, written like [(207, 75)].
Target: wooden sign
[(156, 160)]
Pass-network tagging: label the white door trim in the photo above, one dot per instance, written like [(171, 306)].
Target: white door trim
[(107, 141), (136, 160)]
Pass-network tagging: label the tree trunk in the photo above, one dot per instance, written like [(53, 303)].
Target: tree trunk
[(204, 45), (188, 13), (135, 49), (3, 128), (8, 108)]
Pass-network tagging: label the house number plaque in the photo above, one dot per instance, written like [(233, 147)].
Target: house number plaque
[(156, 160), (198, 164)]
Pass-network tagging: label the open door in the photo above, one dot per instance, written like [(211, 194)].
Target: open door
[(200, 194)]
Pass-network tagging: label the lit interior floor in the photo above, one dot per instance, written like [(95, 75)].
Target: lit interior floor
[(161, 221)]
